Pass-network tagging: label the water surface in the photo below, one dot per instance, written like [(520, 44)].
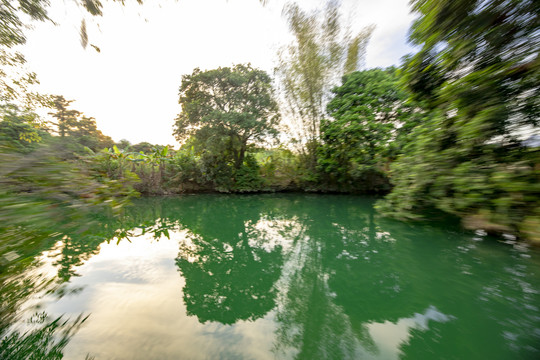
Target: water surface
[(274, 277)]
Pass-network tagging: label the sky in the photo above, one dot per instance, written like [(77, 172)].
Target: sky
[(131, 86)]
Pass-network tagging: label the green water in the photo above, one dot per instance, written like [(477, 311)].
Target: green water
[(272, 277)]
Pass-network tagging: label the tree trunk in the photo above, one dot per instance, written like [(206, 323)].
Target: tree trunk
[(241, 155)]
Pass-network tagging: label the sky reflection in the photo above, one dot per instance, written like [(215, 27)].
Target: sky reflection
[(312, 277)]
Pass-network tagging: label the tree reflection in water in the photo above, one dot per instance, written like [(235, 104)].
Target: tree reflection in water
[(311, 324), (252, 261), (331, 274), (337, 280)]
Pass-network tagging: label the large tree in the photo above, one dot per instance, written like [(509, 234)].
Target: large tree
[(227, 106), (370, 120), (65, 118), (321, 52), (478, 69), (86, 133)]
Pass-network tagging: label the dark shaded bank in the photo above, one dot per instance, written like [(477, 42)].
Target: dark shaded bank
[(372, 186), (285, 190)]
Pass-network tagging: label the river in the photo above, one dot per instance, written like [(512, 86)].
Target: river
[(274, 276)]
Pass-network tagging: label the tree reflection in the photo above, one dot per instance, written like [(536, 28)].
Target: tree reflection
[(344, 274), (330, 272), (359, 278), (321, 276), (311, 324), (229, 274)]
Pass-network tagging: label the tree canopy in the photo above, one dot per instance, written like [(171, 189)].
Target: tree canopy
[(370, 117), (230, 106), (477, 70), (20, 130), (80, 129)]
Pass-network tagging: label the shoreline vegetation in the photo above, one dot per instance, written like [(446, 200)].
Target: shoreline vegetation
[(454, 128)]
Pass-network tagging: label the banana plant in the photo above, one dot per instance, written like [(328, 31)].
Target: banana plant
[(158, 157)]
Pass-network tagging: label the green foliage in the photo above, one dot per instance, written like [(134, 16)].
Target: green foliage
[(371, 117), (20, 130), (77, 131), (12, 25), (151, 168), (86, 133), (66, 118), (17, 82), (46, 178), (46, 342), (279, 169), (159, 171), (189, 170), (184, 168), (144, 147), (247, 178), (477, 70), (215, 170), (38, 188), (125, 145), (225, 109)]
